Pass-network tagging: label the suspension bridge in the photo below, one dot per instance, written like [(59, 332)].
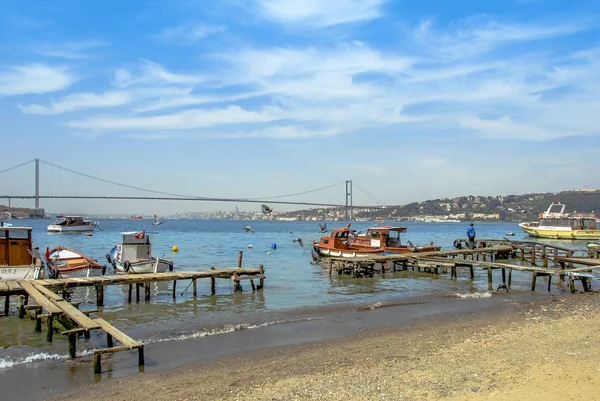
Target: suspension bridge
[(157, 195)]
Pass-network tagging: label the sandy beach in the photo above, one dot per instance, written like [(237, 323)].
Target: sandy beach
[(549, 349)]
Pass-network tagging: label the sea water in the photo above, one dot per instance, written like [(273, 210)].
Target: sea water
[(295, 290)]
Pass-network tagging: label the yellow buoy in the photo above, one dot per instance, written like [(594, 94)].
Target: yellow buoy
[(175, 248)]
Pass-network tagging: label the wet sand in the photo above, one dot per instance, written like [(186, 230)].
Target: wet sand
[(547, 348)]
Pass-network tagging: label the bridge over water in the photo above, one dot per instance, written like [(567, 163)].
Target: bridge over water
[(26, 174)]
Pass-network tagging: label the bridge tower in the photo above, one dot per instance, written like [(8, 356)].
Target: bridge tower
[(37, 185), (349, 200)]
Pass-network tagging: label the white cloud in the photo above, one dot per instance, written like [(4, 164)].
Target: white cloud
[(152, 73), (319, 13), (189, 119), (479, 34), (34, 79), (185, 34), (68, 50), (432, 162), (79, 101)]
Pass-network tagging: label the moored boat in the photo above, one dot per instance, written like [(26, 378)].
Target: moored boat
[(339, 243), (388, 238), (65, 263), (72, 224), (134, 255), (136, 217), (18, 259), (555, 223)]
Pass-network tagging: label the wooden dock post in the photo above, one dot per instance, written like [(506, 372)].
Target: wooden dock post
[(97, 363), (490, 284), (129, 293), (38, 322), (212, 282), (137, 292), (240, 254), (572, 284), (73, 344), (174, 289), (472, 272), (194, 287), (50, 330), (533, 255), (99, 295), (261, 284), (549, 282), (533, 280), (561, 272), (109, 340), (509, 277), (21, 306), (147, 292), (544, 256), (6, 304)]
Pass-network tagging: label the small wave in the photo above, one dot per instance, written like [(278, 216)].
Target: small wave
[(225, 329), (486, 294), (6, 363)]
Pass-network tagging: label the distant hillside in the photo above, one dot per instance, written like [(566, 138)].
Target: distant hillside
[(503, 208), (21, 212)]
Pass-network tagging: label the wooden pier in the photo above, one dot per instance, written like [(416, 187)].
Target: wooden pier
[(544, 261), (52, 308)]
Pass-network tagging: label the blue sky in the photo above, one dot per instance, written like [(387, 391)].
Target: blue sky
[(411, 100)]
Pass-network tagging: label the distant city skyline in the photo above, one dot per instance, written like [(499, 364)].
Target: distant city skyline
[(261, 98)]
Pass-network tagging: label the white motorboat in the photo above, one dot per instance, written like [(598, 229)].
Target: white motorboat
[(134, 255), (18, 259), (72, 224)]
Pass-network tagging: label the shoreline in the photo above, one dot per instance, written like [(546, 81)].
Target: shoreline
[(502, 349)]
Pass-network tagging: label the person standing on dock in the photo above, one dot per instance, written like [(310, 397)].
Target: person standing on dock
[(471, 236)]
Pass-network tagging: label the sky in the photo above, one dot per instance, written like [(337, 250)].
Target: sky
[(411, 100)]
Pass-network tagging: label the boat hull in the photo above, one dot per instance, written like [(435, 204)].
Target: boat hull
[(555, 233), (153, 265), (24, 272), (347, 253), (68, 263), (55, 228)]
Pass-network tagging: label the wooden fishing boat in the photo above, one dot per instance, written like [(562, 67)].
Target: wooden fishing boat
[(134, 255), (555, 223), (388, 238), (71, 224), (65, 262), (339, 243), (18, 259)]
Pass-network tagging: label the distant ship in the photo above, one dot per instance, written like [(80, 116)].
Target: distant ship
[(138, 217)]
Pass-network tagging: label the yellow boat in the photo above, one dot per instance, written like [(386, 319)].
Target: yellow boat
[(555, 223)]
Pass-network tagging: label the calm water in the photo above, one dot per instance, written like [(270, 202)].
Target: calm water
[(294, 289)]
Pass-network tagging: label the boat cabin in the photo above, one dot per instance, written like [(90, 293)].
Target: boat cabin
[(555, 216), (70, 221), (15, 246), (339, 238), (385, 236), (135, 246)]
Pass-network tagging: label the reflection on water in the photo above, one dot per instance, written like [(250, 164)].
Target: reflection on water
[(293, 285)]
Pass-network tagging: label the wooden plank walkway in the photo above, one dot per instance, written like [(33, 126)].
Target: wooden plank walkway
[(406, 256), (15, 287), (44, 294)]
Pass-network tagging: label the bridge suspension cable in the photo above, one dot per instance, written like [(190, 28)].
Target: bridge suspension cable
[(15, 167), (370, 195)]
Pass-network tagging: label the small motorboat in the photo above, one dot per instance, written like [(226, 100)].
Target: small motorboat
[(510, 234), (72, 224), (65, 263), (134, 255)]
